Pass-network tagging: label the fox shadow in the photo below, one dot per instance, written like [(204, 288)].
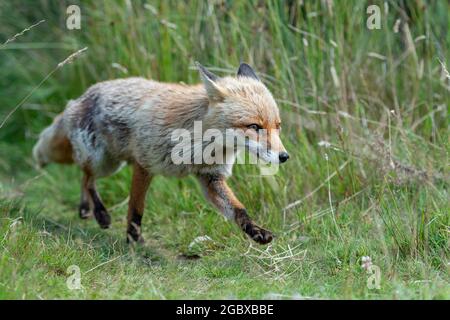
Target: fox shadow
[(108, 242)]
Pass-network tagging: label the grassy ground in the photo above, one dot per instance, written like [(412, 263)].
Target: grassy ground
[(365, 119)]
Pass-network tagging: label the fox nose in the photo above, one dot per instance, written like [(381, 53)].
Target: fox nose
[(283, 156)]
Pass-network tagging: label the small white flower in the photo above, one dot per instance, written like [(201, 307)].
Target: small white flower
[(366, 262), (344, 114), (324, 143)]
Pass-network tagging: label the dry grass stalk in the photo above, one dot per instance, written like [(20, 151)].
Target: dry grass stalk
[(387, 164), (69, 59), (13, 38), (277, 262), (72, 57), (444, 69)]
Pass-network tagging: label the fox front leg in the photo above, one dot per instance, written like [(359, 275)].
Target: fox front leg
[(139, 186), (220, 194)]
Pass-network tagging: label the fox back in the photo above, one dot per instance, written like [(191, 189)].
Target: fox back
[(133, 119)]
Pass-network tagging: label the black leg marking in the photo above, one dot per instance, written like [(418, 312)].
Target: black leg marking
[(100, 213), (84, 210), (134, 228), (257, 234)]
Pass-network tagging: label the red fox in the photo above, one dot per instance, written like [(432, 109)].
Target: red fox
[(131, 121)]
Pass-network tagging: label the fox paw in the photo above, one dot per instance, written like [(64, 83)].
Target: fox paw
[(103, 218), (133, 236), (84, 211), (258, 234)]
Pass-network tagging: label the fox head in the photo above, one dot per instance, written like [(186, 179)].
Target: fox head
[(243, 103)]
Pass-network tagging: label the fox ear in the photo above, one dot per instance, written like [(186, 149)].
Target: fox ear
[(246, 71), (209, 80)]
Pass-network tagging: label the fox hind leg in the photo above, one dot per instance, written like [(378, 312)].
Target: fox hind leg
[(139, 186), (86, 203), (100, 213)]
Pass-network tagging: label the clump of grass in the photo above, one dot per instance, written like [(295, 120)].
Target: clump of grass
[(277, 262)]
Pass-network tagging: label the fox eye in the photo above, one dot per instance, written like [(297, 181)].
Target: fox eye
[(255, 127)]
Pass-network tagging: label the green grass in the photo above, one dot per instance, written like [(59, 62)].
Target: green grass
[(379, 190)]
